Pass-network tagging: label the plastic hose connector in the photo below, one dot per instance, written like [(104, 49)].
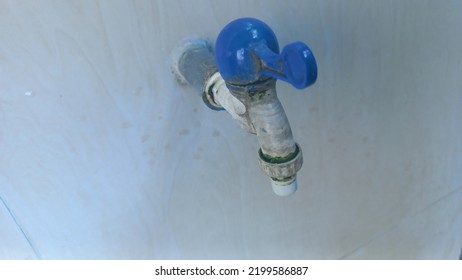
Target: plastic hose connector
[(247, 52)]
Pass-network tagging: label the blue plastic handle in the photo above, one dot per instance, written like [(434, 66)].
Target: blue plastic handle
[(247, 51)]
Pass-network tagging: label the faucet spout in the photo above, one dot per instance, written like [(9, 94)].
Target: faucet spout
[(271, 125), (279, 156)]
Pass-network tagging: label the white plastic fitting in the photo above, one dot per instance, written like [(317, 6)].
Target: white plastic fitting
[(284, 188)]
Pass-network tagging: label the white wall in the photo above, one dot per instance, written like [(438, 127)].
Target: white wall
[(103, 155)]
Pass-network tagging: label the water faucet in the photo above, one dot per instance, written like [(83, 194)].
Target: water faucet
[(241, 79)]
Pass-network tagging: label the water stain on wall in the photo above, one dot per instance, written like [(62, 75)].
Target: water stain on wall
[(184, 131)]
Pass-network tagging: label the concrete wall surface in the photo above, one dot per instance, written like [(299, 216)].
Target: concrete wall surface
[(103, 155)]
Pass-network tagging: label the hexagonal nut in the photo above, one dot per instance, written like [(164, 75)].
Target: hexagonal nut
[(282, 170)]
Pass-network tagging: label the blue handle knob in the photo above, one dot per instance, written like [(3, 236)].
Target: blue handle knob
[(247, 51)]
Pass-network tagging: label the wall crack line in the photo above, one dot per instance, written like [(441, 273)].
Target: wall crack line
[(29, 241)]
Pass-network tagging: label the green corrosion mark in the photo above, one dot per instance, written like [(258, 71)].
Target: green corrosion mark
[(256, 95), (285, 179), (277, 160)]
